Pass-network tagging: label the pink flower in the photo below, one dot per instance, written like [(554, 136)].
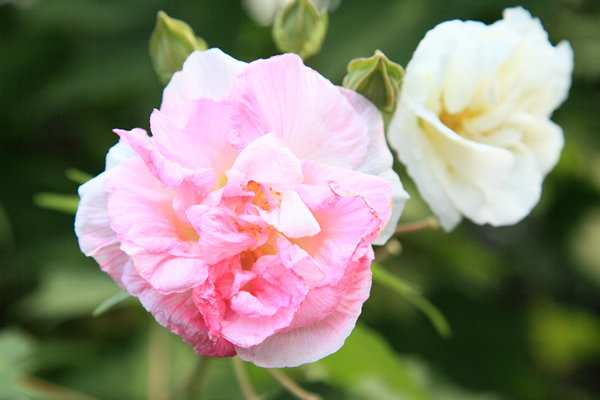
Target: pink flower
[(245, 223)]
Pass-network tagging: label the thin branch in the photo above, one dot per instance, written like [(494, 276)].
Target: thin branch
[(158, 363), (197, 379), (430, 222), (243, 379), (292, 386), (42, 388)]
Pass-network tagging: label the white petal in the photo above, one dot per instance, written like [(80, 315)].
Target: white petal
[(207, 73)]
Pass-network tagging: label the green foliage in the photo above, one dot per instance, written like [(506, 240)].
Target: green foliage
[(16, 349), (368, 368), (66, 203), (563, 338), (67, 292)]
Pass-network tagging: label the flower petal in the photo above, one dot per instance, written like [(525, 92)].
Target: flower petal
[(269, 160), (293, 218), (92, 226), (281, 96), (306, 344), (219, 238), (163, 249), (194, 135), (273, 296), (378, 160), (207, 73), (178, 313)]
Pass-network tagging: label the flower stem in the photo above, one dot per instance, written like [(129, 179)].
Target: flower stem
[(39, 387), (393, 282), (292, 386), (196, 381), (243, 379), (428, 222)]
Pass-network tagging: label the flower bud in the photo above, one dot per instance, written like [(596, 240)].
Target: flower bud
[(170, 44), (376, 78), (299, 28)]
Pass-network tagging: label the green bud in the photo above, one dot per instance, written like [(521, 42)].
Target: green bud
[(376, 78), (170, 45), (298, 28)]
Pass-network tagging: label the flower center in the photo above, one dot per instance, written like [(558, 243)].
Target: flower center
[(263, 199), (456, 121)]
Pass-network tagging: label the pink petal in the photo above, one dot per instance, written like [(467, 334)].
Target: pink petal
[(273, 296), (346, 216), (301, 263), (192, 186), (378, 160), (212, 296), (282, 96), (163, 249), (376, 191), (92, 226), (219, 238), (178, 313), (306, 344), (194, 135)]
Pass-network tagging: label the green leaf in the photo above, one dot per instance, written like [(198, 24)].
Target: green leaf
[(110, 303), (437, 319), (6, 234), (77, 176), (368, 368), (15, 350), (67, 293), (66, 203)]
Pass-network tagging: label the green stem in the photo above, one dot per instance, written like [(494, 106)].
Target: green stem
[(41, 388), (292, 386), (436, 318), (197, 378), (425, 223), (243, 379)]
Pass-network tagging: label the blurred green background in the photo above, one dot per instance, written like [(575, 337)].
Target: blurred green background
[(523, 301)]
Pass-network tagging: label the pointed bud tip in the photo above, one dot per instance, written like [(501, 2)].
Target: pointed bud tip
[(377, 78)]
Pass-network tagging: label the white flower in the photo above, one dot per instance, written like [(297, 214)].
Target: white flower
[(263, 11), (473, 123)]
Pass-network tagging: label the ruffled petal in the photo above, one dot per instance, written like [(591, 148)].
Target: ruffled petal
[(163, 249), (273, 295), (306, 344), (376, 191), (346, 216), (178, 313), (219, 238)]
